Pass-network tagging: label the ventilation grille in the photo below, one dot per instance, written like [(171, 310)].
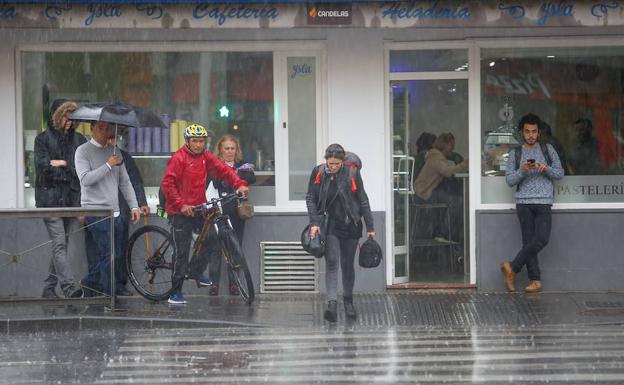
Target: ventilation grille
[(287, 268)]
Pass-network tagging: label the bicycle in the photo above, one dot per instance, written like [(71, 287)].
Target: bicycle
[(150, 254)]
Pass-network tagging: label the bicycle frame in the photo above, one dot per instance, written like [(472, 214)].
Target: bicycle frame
[(212, 216)]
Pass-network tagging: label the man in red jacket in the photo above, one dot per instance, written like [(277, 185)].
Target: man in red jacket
[(184, 186)]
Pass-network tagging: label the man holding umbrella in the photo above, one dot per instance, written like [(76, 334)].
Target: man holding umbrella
[(97, 166)]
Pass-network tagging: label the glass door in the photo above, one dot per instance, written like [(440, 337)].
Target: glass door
[(430, 209)]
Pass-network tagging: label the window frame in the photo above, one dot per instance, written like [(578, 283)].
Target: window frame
[(280, 51), (522, 43)]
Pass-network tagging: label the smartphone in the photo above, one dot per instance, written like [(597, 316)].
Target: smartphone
[(531, 161)]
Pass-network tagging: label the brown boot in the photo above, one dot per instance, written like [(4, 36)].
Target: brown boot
[(534, 286), (509, 276)]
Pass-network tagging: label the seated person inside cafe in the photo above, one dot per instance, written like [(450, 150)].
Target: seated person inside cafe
[(432, 184)]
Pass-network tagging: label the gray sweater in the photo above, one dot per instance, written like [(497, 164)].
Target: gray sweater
[(99, 184), (534, 187)]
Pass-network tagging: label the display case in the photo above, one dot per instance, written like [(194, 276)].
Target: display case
[(498, 143)]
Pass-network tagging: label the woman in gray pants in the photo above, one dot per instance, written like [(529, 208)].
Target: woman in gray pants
[(337, 201)]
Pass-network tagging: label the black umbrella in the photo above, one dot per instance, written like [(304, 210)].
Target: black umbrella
[(117, 114)]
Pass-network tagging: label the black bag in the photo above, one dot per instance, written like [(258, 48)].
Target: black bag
[(370, 254)]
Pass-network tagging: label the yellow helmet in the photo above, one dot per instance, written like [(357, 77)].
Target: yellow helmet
[(195, 131)]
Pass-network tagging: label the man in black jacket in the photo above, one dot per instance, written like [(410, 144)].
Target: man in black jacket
[(57, 185)]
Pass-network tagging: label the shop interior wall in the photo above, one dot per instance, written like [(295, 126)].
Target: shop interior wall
[(584, 252)]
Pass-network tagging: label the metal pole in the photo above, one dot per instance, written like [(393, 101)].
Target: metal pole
[(112, 258)]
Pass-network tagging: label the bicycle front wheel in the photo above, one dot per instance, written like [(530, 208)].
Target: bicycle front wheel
[(149, 262), (237, 264)]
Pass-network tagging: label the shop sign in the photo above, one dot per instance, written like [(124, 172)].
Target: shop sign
[(223, 12), (300, 70), (329, 14), (528, 84), (569, 189), (593, 187), (392, 14), (423, 10)]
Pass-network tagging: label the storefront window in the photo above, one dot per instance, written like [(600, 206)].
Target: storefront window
[(578, 93), (228, 92)]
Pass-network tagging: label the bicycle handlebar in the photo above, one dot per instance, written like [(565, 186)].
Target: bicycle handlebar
[(215, 201)]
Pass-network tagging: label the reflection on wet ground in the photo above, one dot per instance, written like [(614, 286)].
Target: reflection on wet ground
[(345, 354), (573, 338)]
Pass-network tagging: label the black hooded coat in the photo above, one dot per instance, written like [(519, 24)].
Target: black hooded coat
[(56, 186)]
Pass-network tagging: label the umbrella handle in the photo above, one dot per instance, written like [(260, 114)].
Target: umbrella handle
[(115, 146)]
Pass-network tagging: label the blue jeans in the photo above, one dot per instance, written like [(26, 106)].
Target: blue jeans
[(535, 223), (98, 257)]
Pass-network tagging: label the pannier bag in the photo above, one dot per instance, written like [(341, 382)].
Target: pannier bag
[(245, 209)]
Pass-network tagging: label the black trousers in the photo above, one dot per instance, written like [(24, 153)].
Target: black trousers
[(535, 223), (183, 228)]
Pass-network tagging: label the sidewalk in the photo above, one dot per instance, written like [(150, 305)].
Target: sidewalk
[(399, 338), (387, 310)]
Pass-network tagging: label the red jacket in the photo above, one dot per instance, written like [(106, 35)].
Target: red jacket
[(184, 182)]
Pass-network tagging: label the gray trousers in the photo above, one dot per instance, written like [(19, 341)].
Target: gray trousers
[(59, 230), (343, 250)]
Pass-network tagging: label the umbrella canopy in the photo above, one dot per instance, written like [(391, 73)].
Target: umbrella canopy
[(119, 114), (116, 113)]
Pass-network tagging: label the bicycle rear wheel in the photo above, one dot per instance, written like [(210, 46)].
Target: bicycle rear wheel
[(237, 264), (149, 262)]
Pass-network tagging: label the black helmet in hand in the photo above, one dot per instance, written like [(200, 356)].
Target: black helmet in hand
[(370, 253), (314, 246)]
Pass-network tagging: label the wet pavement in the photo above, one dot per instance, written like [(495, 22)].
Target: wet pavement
[(415, 337)]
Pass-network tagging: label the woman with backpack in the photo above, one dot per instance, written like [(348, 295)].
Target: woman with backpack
[(336, 203)]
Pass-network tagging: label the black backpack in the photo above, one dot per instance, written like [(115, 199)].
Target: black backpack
[(370, 254), (351, 160)]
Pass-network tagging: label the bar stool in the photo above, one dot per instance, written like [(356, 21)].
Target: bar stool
[(432, 242)]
